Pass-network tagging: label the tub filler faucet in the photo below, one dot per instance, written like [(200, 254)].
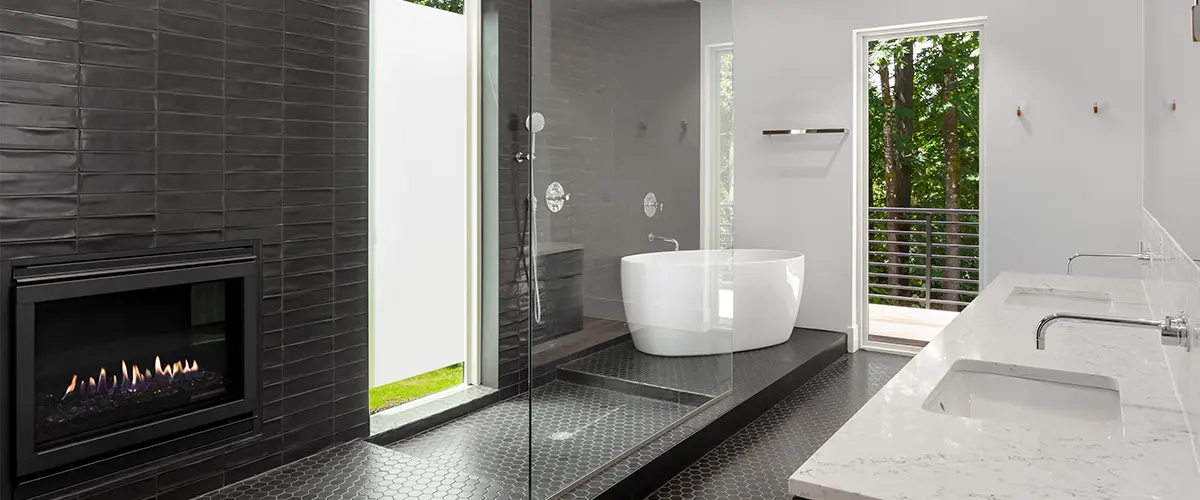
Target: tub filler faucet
[(1174, 329), (652, 238)]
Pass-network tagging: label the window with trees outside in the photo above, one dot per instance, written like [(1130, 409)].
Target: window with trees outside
[(724, 144), (924, 182)]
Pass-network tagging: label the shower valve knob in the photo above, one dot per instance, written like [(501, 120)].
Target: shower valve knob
[(523, 157)]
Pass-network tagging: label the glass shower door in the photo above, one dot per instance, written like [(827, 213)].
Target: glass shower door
[(626, 336)]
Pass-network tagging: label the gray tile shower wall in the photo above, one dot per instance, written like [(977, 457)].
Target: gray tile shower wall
[(130, 124), (598, 69), (619, 86)]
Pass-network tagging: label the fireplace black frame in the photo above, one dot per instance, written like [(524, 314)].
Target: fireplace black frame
[(28, 281)]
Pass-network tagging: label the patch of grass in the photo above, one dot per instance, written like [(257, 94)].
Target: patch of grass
[(415, 387)]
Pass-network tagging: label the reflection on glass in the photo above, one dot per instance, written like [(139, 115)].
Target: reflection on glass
[(632, 340)]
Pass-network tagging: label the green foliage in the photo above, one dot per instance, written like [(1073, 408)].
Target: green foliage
[(418, 386), (447, 5), (925, 149), (725, 168)]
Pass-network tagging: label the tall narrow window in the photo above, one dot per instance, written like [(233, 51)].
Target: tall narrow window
[(718, 196), (725, 145)]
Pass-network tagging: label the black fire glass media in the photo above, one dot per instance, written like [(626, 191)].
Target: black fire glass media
[(117, 351)]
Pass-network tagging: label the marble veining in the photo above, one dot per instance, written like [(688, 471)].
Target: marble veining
[(893, 449)]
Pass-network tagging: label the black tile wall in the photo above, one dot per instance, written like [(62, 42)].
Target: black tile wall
[(513, 106), (131, 124)]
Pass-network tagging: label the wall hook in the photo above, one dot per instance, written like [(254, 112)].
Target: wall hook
[(1018, 111), (1096, 107), (1174, 106)]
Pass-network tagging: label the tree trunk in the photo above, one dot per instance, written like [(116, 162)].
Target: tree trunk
[(899, 132), (953, 177), (891, 171), (906, 124)]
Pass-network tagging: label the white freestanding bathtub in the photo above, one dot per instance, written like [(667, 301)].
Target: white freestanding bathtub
[(711, 301)]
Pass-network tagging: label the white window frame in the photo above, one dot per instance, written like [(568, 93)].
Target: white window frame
[(473, 358), (859, 338), (473, 302)]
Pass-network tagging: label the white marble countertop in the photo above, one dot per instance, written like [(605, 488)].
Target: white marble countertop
[(892, 449)]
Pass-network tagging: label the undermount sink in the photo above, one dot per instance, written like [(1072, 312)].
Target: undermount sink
[(1046, 400), (1061, 298)]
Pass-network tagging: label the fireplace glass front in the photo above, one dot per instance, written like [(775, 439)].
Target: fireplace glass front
[(118, 360)]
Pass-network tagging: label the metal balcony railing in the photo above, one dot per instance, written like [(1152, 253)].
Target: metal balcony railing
[(923, 257)]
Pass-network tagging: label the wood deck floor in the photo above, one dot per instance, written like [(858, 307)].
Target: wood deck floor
[(906, 325)]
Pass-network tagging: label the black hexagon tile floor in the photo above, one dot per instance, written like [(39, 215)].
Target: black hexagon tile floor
[(756, 462), (364, 471), (576, 428)]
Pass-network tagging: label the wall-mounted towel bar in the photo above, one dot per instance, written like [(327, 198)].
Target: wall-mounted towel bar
[(805, 131)]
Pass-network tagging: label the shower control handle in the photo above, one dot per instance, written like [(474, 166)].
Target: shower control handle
[(522, 157)]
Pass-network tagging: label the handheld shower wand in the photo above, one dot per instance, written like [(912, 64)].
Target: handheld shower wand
[(534, 123)]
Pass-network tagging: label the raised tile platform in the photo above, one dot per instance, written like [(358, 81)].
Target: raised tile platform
[(702, 375)]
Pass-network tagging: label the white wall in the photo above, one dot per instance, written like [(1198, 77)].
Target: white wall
[(1059, 181), (716, 21), (418, 190), (1172, 165)]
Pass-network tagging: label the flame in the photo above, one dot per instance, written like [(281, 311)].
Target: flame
[(143, 379), (71, 388)]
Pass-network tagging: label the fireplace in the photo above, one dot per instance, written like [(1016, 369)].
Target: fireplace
[(115, 353)]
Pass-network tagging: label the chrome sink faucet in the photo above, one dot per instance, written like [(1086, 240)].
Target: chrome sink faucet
[(1144, 256), (1174, 329), (652, 238)]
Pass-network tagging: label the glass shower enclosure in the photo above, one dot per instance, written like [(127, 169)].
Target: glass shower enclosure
[(630, 324)]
